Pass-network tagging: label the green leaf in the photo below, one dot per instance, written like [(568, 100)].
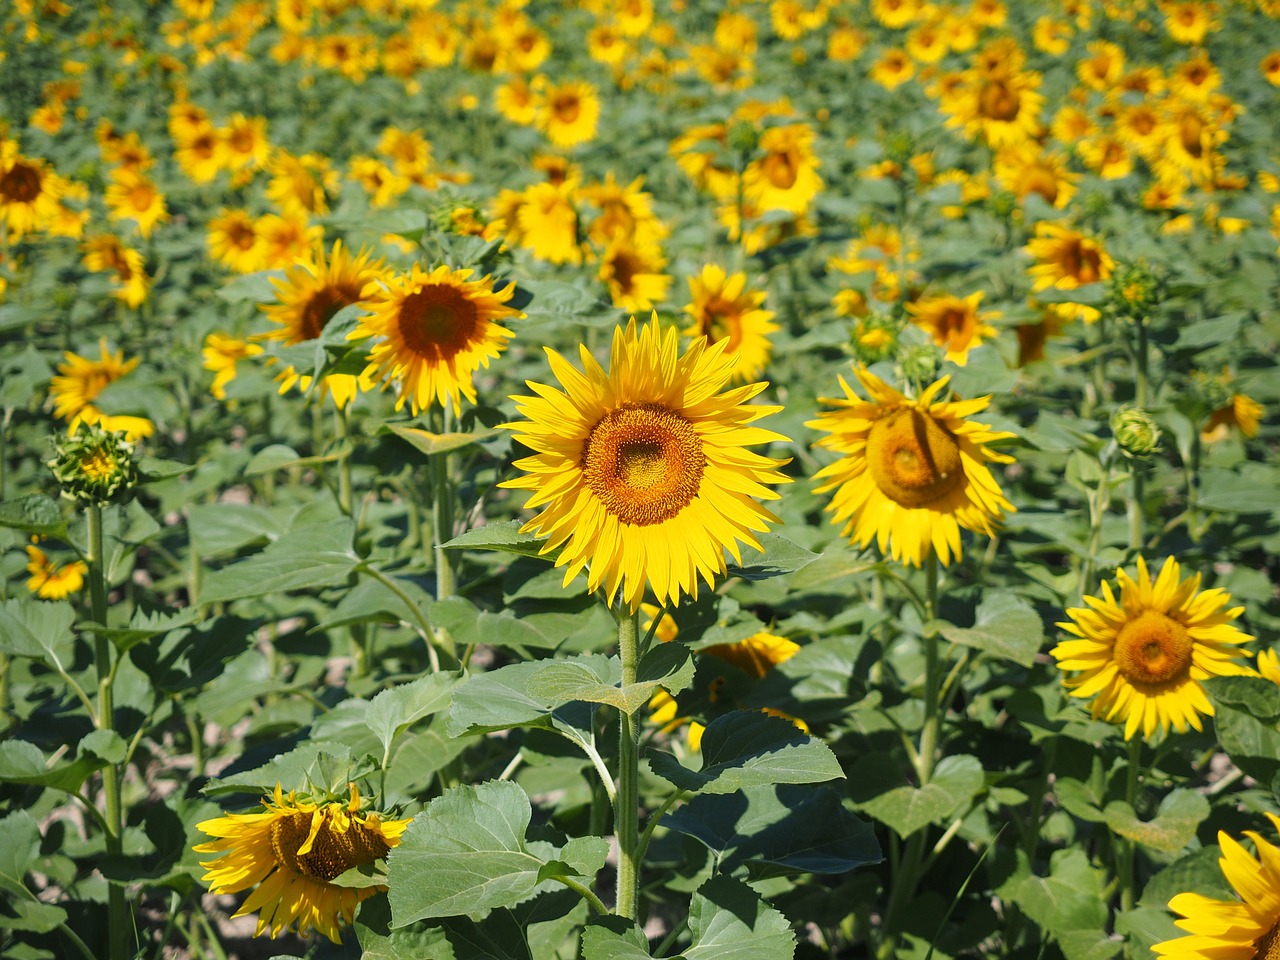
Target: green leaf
[(466, 853), (790, 827), (19, 848), (309, 556), (393, 711), (1006, 626), (254, 287), (1069, 903), (581, 857), (1245, 718), (34, 915), (1250, 489), (277, 456), (505, 537), (432, 443), (218, 528), (614, 938), (324, 764), (1173, 827), (106, 745), (497, 937), (748, 748), (500, 700), (729, 921), (1210, 332), (23, 762), (955, 782), (155, 469), (594, 678), (1090, 294), (144, 625), (36, 514), (780, 556), (40, 630)]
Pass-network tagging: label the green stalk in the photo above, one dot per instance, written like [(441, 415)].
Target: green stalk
[(1098, 503), (626, 810), (344, 462), (442, 511), (1129, 848), (117, 918)]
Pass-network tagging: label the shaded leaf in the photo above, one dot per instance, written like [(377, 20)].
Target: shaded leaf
[(1006, 626), (955, 782), (729, 921), (1173, 827), (36, 514)]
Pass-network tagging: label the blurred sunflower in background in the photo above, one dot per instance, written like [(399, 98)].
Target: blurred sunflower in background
[(723, 309), (292, 852), (568, 113), (50, 581), (913, 472), (1143, 657), (81, 379), (954, 323), (643, 469)]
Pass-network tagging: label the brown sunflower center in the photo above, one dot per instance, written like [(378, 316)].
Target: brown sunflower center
[(437, 321), (913, 459), (721, 318), (1269, 945), (1153, 648), (566, 107), (644, 463), (142, 196), (781, 169), (332, 852), (320, 309), (999, 101), (1190, 130), (21, 184)]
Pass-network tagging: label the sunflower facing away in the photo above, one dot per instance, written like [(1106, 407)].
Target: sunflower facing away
[(291, 852), (438, 329), (643, 470), (1247, 929), (913, 472), (1143, 657)]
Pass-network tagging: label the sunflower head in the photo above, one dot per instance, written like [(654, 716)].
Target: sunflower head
[(292, 852), (95, 466), (1136, 432), (643, 469), (1144, 656)]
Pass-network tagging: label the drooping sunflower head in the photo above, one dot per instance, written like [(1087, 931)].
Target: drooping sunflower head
[(1144, 656), (292, 852), (643, 469), (436, 330), (913, 472)]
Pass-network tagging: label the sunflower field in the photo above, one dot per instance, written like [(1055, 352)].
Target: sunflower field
[(627, 479)]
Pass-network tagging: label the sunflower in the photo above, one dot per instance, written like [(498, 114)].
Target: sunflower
[(438, 329), (643, 469), (285, 239), (106, 254), (1242, 412), (1000, 106), (301, 184), (221, 354), (516, 102), (29, 191), (133, 196), (1144, 657), (1269, 665), (568, 113), (1066, 260), (786, 176), (634, 274), (50, 581), (723, 309), (234, 241), (546, 221), (954, 322), (293, 851), (1247, 929), (893, 69), (80, 381), (309, 295), (913, 472)]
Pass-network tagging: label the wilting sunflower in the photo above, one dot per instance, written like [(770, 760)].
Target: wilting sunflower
[(643, 469), (48, 581), (723, 309), (310, 294), (1245, 929), (80, 381), (292, 852), (913, 472), (1143, 658), (438, 329)]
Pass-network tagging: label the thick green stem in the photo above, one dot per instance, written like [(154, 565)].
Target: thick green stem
[(118, 930), (626, 809), (1140, 367), (344, 462), (1135, 507), (1129, 850)]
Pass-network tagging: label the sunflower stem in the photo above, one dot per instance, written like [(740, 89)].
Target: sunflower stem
[(1128, 860), (1135, 507), (344, 461), (117, 917), (626, 816)]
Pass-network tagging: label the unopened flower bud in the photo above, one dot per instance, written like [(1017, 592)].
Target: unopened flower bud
[(1136, 432), (744, 137), (1134, 290), (919, 362), (95, 466)]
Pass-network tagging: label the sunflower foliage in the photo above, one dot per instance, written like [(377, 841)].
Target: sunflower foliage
[(639, 480)]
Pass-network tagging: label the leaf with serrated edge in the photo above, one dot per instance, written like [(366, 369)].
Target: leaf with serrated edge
[(614, 938), (956, 781)]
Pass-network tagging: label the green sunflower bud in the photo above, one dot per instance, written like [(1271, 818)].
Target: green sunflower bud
[(744, 138), (919, 362), (899, 147), (875, 338), (95, 466), (1136, 432), (1134, 290)]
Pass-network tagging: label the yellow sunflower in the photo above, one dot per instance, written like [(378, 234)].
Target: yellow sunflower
[(292, 852), (568, 113), (1065, 260), (437, 330), (221, 354), (913, 472), (133, 196), (954, 323), (786, 177), (1245, 929), (633, 272), (1242, 412), (80, 381), (50, 581), (643, 469), (29, 191), (723, 309), (1269, 665), (234, 241), (309, 295), (1143, 658)]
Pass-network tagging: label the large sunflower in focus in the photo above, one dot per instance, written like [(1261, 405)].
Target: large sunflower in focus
[(1248, 929), (913, 472), (643, 470), (293, 851), (438, 329), (1145, 656), (309, 295)]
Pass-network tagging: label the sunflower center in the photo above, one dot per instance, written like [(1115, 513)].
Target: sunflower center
[(97, 465), (781, 169), (141, 197), (320, 309), (721, 319), (1269, 945), (437, 321), (21, 184), (999, 101), (913, 459), (332, 853), (567, 107), (1153, 648), (644, 463)]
